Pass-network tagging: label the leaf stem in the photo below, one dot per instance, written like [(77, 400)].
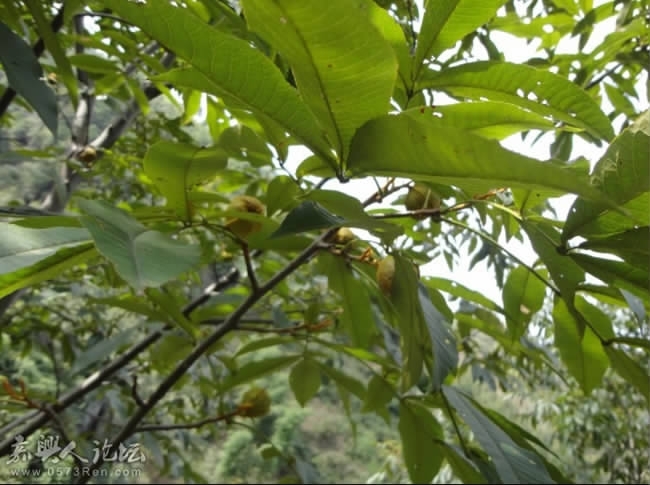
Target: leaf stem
[(450, 412)]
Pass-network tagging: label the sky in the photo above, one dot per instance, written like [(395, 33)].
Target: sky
[(515, 50)]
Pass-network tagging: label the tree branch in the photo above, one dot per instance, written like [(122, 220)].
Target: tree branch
[(229, 324), (171, 427), (38, 419)]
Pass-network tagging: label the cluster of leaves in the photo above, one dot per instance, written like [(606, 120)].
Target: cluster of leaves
[(356, 84)]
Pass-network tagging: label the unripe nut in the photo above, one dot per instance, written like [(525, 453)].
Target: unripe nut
[(87, 155), (243, 228), (386, 274), (344, 236), (421, 197), (255, 403)]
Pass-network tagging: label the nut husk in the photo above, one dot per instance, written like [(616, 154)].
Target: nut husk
[(243, 228), (386, 274), (420, 196)]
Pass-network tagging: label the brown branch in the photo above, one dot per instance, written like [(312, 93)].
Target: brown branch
[(230, 324), (197, 424), (39, 419), (285, 330), (249, 268), (134, 392)]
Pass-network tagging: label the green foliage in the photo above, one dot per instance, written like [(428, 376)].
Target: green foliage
[(133, 311)]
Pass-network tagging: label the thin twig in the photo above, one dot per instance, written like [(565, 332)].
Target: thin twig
[(249, 267), (230, 324), (284, 330), (198, 424), (134, 391)]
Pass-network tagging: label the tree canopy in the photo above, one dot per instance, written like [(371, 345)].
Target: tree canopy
[(188, 249)]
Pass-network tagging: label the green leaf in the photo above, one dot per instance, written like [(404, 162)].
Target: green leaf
[(304, 380), (538, 90), (101, 350), (38, 11), (623, 173), (462, 467), (457, 290), (636, 305), (351, 209), (566, 274), (419, 432), (170, 350), (135, 251), (523, 296), (445, 352), (131, 303), (176, 167), (45, 222), (171, 311), (580, 349), (401, 146), (380, 394), (226, 66), (264, 343), (344, 381), (22, 247), (314, 166), (513, 463), (630, 245), (243, 143), (91, 63), (256, 369), (410, 319), (636, 278), (60, 259), (630, 370), (24, 75), (343, 67), (280, 193), (446, 22), (357, 319), (598, 320), (394, 34), (489, 119), (308, 216)]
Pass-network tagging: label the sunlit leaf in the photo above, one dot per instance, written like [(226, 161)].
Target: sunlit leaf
[(523, 296), (176, 167), (580, 349), (401, 146), (446, 22), (489, 119), (343, 86), (623, 173), (538, 90), (226, 69)]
